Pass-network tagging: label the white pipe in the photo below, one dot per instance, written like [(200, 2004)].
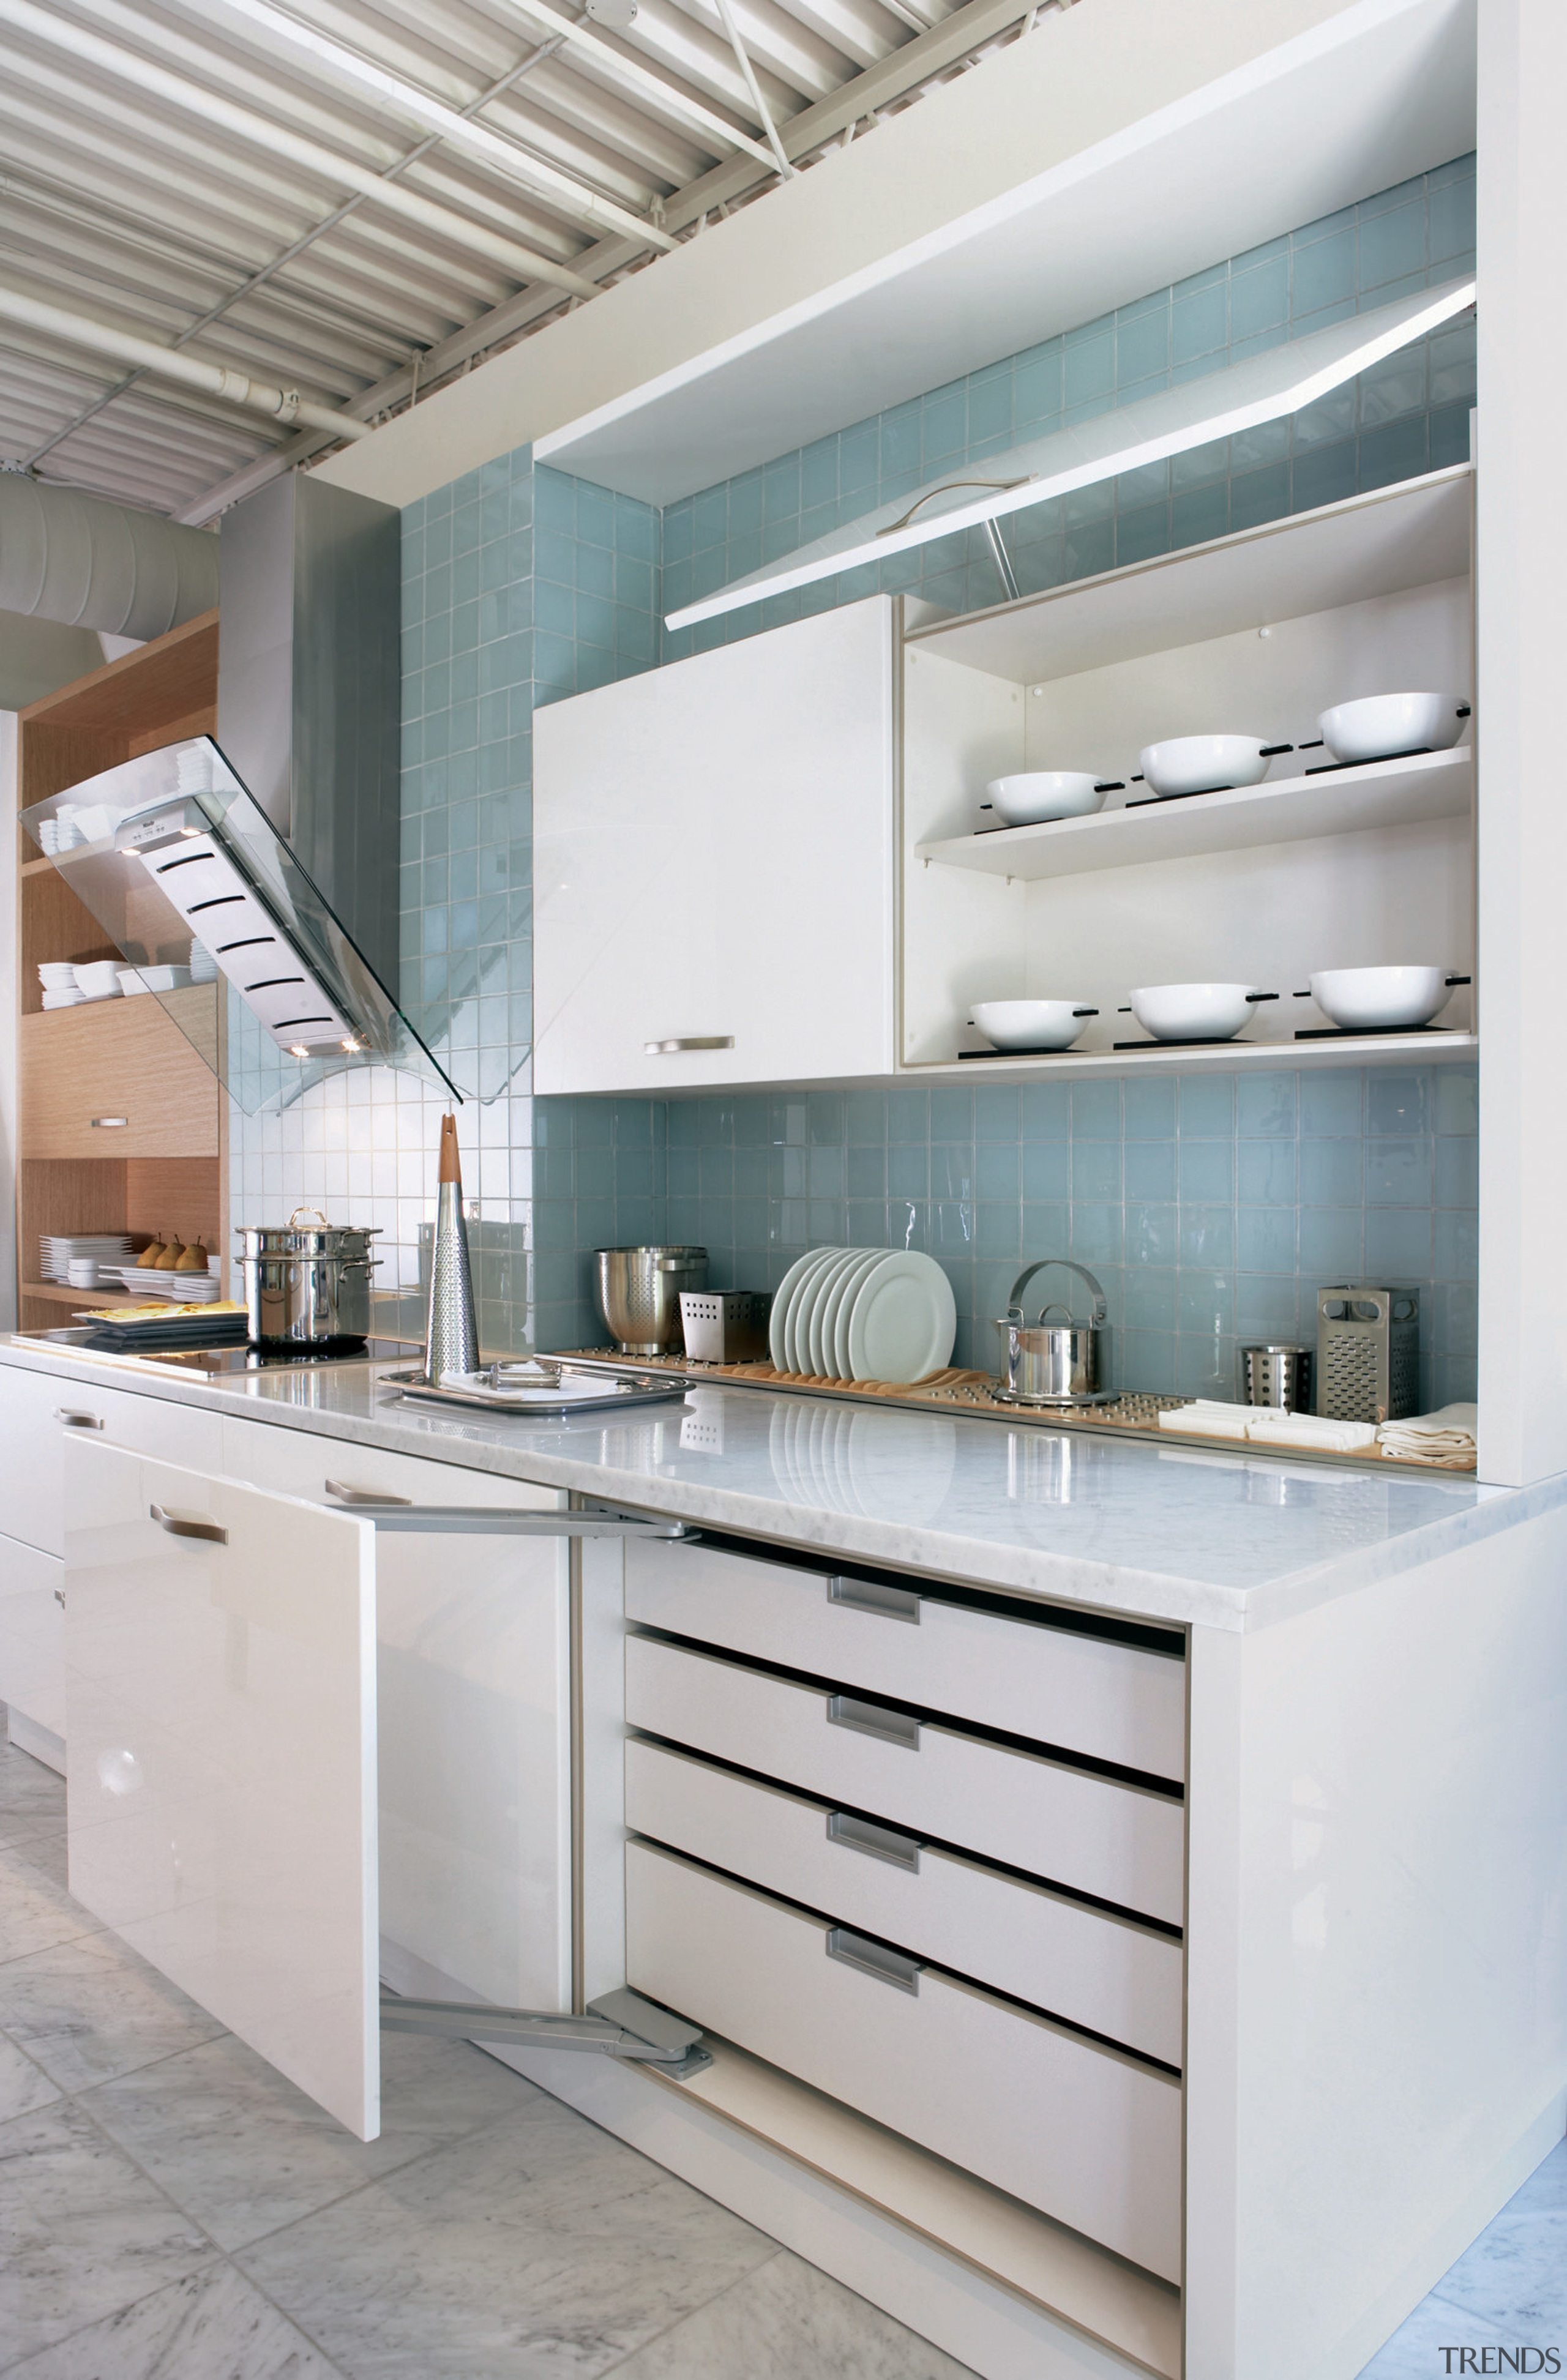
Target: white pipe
[(92, 564), (561, 190), (212, 379), (640, 78), (261, 132), (763, 112)]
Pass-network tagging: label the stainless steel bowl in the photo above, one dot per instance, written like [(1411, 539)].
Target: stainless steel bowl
[(639, 1291), (306, 1285)]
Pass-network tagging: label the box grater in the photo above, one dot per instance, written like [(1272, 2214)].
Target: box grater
[(727, 1330), (1368, 1351)]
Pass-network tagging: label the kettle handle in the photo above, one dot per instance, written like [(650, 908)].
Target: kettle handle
[(1015, 1301)]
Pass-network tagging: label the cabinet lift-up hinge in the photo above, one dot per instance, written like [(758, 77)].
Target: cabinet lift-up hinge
[(619, 2025)]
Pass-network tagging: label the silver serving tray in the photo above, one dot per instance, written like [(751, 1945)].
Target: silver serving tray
[(533, 1397)]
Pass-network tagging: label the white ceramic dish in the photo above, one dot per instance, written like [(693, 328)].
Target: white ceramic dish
[(1384, 999), (841, 1313), (1381, 725), (904, 1320), (1032, 1023), (1040, 794), (796, 1282), (1205, 764), (781, 1298), (808, 1330), (1192, 1012)]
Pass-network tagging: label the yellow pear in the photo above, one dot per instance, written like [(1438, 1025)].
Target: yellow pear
[(152, 1256), (192, 1259)]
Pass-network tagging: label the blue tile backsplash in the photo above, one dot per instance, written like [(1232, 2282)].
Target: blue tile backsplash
[(1211, 1206)]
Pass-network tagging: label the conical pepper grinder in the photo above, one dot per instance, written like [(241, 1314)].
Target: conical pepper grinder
[(451, 1338)]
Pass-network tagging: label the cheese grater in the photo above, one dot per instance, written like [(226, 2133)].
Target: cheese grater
[(1368, 1351)]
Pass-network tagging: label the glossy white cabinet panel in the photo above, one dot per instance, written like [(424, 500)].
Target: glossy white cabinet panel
[(38, 1410), (943, 2064), (1101, 1971), (713, 859), (471, 1659), (220, 1701), (1115, 1702), (1123, 1843), (32, 1624)]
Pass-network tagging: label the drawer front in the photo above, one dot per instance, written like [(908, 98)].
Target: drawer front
[(1114, 1702), (38, 1410), (945, 2064), (33, 1634), (301, 1463), (124, 1060), (1123, 1843), (1098, 1971)]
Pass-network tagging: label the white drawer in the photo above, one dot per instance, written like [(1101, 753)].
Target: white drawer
[(1086, 2134), (1115, 1702), (1105, 1972), (1123, 1843), (304, 1463), (33, 1433), (33, 1634)]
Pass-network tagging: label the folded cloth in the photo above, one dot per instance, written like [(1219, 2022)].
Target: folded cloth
[(1315, 1431), (1207, 1419), (1445, 1435)]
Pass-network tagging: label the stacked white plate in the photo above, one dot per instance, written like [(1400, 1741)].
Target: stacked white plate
[(203, 966), (181, 1288), (106, 1250), (863, 1313)]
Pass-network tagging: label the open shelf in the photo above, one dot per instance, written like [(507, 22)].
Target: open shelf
[(1293, 810), (59, 1293), (1353, 1050)]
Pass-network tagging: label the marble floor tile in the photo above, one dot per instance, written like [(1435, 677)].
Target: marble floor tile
[(211, 2326), (1508, 2289), (85, 2234), (237, 2147), (36, 1911), (789, 2322), (88, 2010), (23, 2085), (29, 1789), (541, 2248), (1414, 2353)]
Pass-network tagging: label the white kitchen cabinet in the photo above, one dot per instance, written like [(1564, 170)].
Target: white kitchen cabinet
[(32, 1670), (713, 865)]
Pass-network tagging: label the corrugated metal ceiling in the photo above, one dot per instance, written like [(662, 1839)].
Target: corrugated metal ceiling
[(196, 175)]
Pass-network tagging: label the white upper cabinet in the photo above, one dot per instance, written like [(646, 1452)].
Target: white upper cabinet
[(713, 865)]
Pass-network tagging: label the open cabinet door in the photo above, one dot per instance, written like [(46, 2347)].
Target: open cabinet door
[(220, 1665)]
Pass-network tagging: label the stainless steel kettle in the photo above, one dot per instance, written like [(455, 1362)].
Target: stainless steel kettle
[(1053, 1363)]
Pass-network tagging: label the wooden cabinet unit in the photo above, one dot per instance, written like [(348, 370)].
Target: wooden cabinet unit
[(122, 1120)]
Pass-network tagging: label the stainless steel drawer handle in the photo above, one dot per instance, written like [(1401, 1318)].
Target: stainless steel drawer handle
[(60, 1596), (688, 1042), (108, 1123), (74, 1420), (345, 1494), (873, 1594), (876, 1842), (873, 1959), (189, 1524), (870, 1719)]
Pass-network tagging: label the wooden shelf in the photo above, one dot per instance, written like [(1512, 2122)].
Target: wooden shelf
[(1294, 809), (60, 1293), (1355, 1050)]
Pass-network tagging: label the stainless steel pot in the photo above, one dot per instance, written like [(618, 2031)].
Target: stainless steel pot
[(1053, 1363), (639, 1294), (305, 1284)]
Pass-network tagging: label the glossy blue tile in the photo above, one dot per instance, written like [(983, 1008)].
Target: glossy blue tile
[(1207, 1106), (1149, 1170), (1331, 1173), (1265, 1173), (1207, 1171), (1456, 1245), (996, 1112), (997, 1171), (952, 1113), (1047, 1229), (908, 1114), (1265, 1239), (1399, 1242), (1332, 1102), (1096, 1170), (1206, 1235), (1152, 1235), (1149, 1110), (1457, 1171), (1045, 1112), (1398, 1172), (1096, 1234), (1148, 1298), (1095, 1112)]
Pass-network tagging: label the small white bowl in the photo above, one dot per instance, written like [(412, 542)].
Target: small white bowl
[(1205, 764), (1382, 725), (1024, 1024), (82, 1272), (1193, 1012), (1041, 793), (1384, 999)]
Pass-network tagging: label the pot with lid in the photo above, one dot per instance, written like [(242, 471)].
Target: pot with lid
[(1053, 1363), (307, 1284)]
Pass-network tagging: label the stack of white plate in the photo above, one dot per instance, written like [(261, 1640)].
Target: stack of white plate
[(182, 1288), (60, 987), (203, 966), (863, 1313), (56, 1251)]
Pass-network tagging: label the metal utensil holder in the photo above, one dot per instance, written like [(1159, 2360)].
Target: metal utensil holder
[(728, 1329), (1275, 1375), (1368, 1351)]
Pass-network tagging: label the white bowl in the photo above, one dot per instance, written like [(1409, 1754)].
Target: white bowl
[(1384, 999), (1203, 764), (1384, 724), (1031, 1024), (1043, 793), (1192, 1012)]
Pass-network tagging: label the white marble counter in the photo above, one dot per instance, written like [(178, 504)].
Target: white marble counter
[(1178, 1533)]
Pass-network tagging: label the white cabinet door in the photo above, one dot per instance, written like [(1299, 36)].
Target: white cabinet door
[(221, 1780), (32, 1671), (714, 859), (39, 1410)]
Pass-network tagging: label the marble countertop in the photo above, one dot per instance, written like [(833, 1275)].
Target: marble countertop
[(1172, 1533)]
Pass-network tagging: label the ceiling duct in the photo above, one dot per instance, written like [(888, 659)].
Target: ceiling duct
[(90, 563)]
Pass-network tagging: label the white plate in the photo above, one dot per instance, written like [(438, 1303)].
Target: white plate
[(783, 1297), (814, 1341), (795, 1345), (904, 1320), (837, 1318)]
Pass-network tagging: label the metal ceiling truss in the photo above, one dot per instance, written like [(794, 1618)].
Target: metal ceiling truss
[(320, 212)]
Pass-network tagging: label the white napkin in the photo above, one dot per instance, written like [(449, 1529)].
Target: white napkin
[(1316, 1431), (1433, 1437), (1209, 1418)]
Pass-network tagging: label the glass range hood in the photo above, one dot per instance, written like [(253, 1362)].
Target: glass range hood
[(192, 883)]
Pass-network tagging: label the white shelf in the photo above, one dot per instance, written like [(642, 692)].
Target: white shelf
[(1294, 809), (1413, 534), (1353, 1050)]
